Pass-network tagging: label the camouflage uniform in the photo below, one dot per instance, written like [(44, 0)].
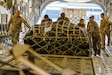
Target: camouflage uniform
[(43, 20), (81, 25), (62, 19), (106, 30), (94, 36), (16, 22), (103, 23)]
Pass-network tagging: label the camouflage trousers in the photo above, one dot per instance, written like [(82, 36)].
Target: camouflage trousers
[(96, 45), (15, 36), (103, 35), (107, 33)]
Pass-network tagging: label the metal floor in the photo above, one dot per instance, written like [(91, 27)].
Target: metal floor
[(94, 65)]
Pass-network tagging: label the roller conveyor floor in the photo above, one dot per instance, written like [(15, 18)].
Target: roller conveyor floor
[(81, 65), (108, 50)]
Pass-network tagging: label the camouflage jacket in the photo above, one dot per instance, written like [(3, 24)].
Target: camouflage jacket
[(102, 24), (93, 29), (16, 22), (107, 26), (81, 25), (65, 18)]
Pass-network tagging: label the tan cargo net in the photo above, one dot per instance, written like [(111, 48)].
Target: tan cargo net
[(60, 38)]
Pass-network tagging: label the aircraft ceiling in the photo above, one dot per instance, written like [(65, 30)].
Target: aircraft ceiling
[(78, 0)]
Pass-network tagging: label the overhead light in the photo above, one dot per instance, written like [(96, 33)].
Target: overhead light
[(77, 0)]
